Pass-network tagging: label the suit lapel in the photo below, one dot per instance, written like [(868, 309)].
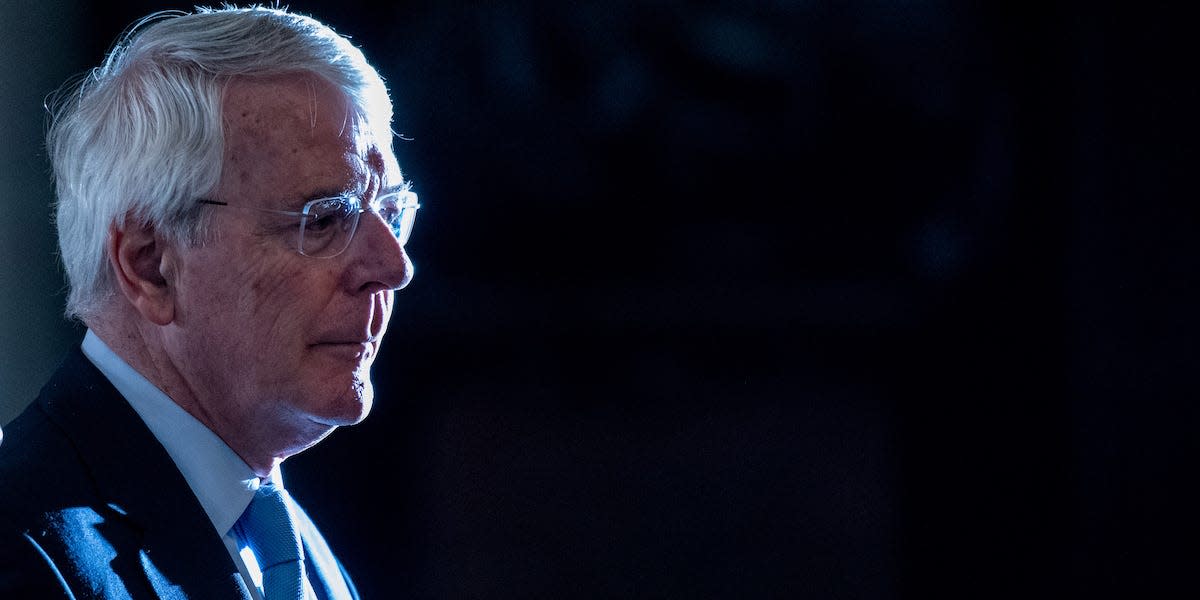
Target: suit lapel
[(153, 519)]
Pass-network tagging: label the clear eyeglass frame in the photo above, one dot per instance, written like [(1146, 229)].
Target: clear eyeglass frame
[(327, 225)]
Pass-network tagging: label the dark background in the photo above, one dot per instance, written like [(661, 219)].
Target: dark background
[(762, 300)]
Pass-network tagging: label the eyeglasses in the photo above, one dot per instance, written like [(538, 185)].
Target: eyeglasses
[(328, 224)]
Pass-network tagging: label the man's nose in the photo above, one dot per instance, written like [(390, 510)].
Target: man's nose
[(379, 261)]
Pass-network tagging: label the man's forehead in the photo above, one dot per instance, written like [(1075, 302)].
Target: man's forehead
[(288, 137), (293, 111), (285, 105)]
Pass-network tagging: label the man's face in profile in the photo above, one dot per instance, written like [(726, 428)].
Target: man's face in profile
[(282, 342)]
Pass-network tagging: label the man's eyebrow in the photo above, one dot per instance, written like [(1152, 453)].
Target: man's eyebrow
[(328, 192), (350, 190), (398, 187)]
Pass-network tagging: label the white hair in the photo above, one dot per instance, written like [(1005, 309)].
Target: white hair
[(139, 139)]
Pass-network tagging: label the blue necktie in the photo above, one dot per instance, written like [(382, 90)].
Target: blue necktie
[(269, 532)]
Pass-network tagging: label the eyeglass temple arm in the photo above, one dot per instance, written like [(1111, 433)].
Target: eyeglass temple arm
[(267, 210)]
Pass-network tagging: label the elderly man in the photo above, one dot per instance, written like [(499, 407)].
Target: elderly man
[(232, 221)]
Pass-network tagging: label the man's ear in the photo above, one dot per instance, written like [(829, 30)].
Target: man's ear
[(143, 263)]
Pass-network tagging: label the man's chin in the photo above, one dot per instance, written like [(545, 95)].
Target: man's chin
[(349, 406)]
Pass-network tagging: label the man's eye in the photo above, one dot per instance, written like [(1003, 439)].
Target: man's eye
[(317, 223), (327, 214)]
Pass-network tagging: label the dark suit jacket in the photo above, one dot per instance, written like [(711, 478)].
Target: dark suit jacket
[(92, 506)]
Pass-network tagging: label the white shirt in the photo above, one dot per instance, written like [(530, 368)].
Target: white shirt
[(222, 482)]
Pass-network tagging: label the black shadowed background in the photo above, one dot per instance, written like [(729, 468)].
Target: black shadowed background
[(741, 299)]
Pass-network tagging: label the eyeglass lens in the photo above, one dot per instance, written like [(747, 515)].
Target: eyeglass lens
[(329, 224)]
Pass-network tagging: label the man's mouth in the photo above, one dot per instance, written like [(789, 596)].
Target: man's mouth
[(355, 349)]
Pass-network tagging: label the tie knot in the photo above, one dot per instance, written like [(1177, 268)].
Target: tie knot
[(268, 529)]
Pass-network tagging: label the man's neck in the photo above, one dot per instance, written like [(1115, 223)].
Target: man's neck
[(142, 346)]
